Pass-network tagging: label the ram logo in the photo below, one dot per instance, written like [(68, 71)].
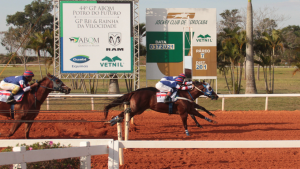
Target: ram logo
[(114, 38)]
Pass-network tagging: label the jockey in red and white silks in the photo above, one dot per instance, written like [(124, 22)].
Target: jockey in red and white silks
[(15, 83)]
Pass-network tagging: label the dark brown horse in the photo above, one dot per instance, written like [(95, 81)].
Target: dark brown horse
[(31, 103), (145, 98)]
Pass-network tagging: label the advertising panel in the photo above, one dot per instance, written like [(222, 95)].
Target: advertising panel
[(96, 37), (169, 44)]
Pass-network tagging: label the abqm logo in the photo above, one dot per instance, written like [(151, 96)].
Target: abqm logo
[(80, 59)]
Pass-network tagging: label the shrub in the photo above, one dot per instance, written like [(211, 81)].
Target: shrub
[(69, 163)]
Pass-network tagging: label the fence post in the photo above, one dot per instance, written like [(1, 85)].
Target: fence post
[(92, 102), (21, 150), (85, 162), (266, 106), (121, 157), (48, 100), (127, 119), (223, 103)]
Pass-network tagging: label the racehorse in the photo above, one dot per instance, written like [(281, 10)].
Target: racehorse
[(145, 98), (29, 107)]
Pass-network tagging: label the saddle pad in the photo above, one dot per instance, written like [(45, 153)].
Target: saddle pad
[(5, 94), (160, 97)]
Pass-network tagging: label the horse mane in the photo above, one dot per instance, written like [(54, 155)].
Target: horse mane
[(40, 81)]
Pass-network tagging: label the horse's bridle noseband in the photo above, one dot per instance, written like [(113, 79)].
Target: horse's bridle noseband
[(56, 87)]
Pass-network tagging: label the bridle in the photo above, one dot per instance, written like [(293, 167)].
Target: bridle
[(206, 93), (56, 87)]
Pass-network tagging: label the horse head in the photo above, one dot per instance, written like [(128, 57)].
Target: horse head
[(205, 89), (53, 83)]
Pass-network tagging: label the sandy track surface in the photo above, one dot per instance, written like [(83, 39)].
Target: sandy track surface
[(232, 125)]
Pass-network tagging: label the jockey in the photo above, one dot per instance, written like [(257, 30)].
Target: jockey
[(170, 86), (170, 78), (15, 83)]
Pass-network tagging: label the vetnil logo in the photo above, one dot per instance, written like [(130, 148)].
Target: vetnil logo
[(111, 62), (204, 38), (80, 59)]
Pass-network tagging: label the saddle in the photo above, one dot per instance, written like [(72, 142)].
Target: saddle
[(160, 96), (4, 94)]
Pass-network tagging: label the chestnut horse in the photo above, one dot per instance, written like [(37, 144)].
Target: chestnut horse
[(29, 107), (145, 98)]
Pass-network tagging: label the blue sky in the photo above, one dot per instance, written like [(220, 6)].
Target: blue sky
[(287, 7)]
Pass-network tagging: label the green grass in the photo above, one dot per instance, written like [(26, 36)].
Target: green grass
[(284, 83)]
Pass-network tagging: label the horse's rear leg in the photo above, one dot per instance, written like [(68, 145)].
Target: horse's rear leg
[(13, 129), (27, 129), (196, 113), (116, 119), (184, 121), (194, 118)]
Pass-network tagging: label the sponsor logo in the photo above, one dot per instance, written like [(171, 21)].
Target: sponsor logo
[(112, 62), (85, 40), (114, 38), (182, 15), (204, 38), (80, 59), (114, 49)]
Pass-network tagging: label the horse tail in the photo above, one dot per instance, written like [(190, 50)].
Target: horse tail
[(117, 102)]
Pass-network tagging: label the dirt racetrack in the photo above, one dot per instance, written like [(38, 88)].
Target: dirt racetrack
[(233, 125)]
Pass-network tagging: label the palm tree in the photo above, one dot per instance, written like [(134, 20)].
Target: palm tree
[(250, 79), (40, 41), (230, 51), (262, 50), (274, 40)]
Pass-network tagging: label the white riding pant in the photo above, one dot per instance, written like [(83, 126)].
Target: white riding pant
[(9, 86), (163, 88)]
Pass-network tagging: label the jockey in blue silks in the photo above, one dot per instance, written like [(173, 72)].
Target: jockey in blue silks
[(169, 84), (15, 83)]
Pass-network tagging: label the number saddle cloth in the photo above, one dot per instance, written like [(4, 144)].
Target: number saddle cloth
[(4, 94), (160, 96)]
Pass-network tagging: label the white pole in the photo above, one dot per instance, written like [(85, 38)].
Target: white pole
[(223, 103), (22, 150), (266, 106), (92, 102), (48, 100), (127, 119), (121, 157), (85, 161)]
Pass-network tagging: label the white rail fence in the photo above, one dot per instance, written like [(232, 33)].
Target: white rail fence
[(221, 96), (20, 156)]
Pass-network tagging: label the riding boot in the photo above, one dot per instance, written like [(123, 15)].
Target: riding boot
[(11, 99), (168, 99)]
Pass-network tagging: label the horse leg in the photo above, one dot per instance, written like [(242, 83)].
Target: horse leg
[(196, 113), (194, 118), (13, 129), (184, 121), (202, 108), (27, 129), (117, 119)]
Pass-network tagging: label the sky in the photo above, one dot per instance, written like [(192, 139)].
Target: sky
[(289, 8)]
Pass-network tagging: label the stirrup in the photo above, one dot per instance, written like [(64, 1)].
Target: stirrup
[(168, 100), (10, 101)]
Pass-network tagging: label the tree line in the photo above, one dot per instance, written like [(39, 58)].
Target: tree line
[(32, 32)]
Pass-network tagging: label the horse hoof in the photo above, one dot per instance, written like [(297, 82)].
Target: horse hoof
[(188, 134), (212, 115), (215, 122)]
